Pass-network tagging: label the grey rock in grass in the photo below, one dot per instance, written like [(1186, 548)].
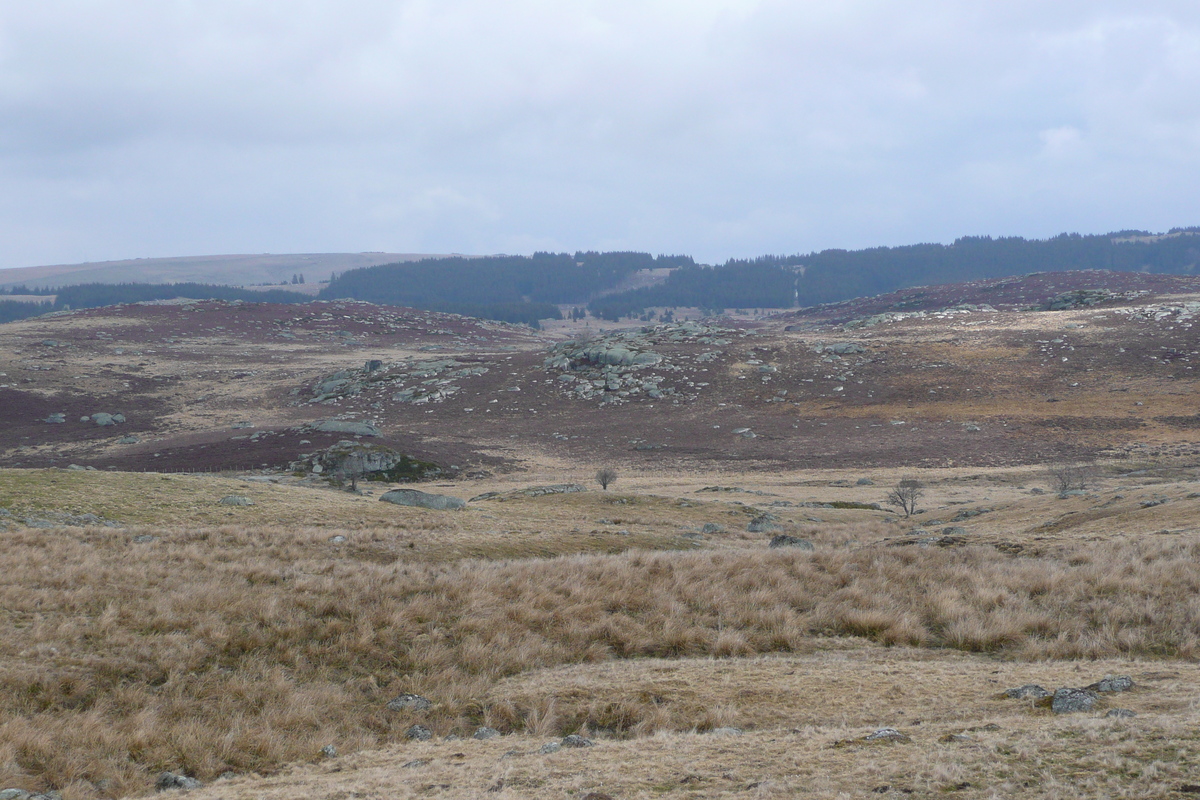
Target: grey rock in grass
[(712, 527), (886, 735), (419, 762), (554, 488), (418, 733), (864, 482), (1112, 683), (337, 538), (954, 530), (1117, 713), (411, 497), (143, 538), (783, 540), (550, 747), (14, 794), (170, 780), (103, 420), (329, 751), (235, 500), (344, 426), (1073, 701), (53, 419), (130, 439), (1029, 690), (575, 740), (763, 523), (726, 731), (409, 702), (485, 733)]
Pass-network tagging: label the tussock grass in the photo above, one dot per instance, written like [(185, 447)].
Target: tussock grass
[(210, 650)]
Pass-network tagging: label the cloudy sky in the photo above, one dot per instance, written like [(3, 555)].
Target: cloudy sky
[(717, 128)]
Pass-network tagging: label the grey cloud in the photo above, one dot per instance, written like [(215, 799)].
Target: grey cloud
[(714, 127)]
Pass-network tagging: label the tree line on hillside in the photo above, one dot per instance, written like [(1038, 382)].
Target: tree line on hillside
[(833, 275), (95, 295), (526, 289), (508, 288)]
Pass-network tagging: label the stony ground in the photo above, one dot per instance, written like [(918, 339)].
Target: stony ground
[(229, 613), (901, 381)]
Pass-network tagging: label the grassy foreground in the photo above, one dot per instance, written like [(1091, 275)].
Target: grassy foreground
[(245, 648)]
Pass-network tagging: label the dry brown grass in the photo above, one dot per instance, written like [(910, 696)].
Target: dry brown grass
[(794, 710), (210, 650)]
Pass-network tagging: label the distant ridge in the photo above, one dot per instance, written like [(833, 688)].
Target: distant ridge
[(245, 269)]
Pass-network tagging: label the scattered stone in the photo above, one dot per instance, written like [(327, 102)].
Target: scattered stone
[(555, 488), (103, 420), (954, 530), (1029, 690), (550, 747), (726, 731), (141, 538), (485, 733), (1118, 713), (484, 496), (865, 482), (14, 794), (886, 735), (783, 540), (411, 497), (956, 738), (420, 762), (409, 702), (329, 751), (53, 419), (169, 780), (418, 733), (712, 527), (1112, 683), (575, 740), (1071, 701), (130, 439), (235, 500), (337, 539), (763, 523), (841, 348), (343, 426)]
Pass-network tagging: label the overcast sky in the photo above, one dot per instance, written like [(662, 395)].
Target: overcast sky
[(716, 128)]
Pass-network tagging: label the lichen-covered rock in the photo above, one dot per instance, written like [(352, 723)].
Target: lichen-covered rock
[(1112, 683), (783, 540), (170, 780), (1029, 690), (345, 426), (1073, 701), (485, 733), (418, 733), (409, 702), (235, 500), (763, 523), (411, 497), (575, 740)]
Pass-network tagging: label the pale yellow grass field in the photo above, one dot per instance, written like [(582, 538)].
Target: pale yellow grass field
[(794, 711), (248, 646)]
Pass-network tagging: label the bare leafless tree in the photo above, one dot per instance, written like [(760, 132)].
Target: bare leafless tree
[(905, 494), (1071, 477), (606, 476)]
